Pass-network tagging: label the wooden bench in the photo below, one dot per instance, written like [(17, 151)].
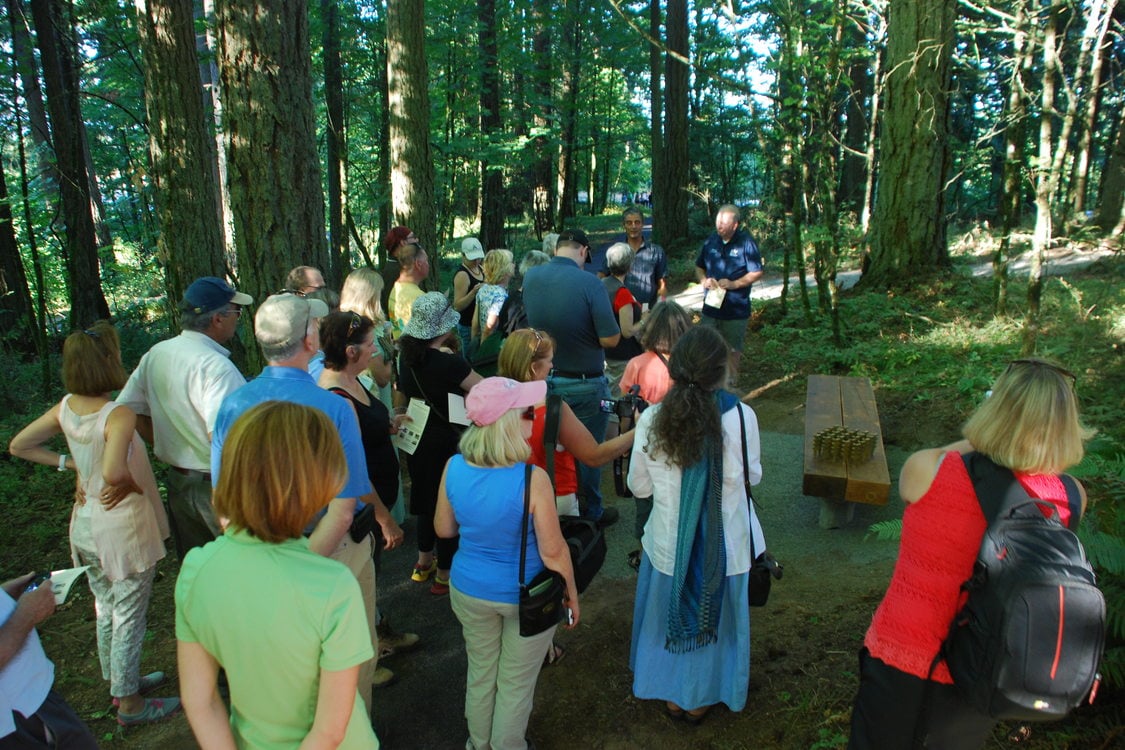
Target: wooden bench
[(848, 402)]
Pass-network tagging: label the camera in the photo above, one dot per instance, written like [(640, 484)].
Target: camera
[(625, 407)]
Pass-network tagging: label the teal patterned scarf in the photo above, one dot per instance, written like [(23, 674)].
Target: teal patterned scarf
[(701, 565)]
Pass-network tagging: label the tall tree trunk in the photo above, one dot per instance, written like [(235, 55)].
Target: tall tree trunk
[(568, 114), (1044, 173), (542, 170), (336, 137), (656, 123), (206, 45), (412, 172), (181, 150), (908, 230), (493, 205), (87, 303), (276, 195), (676, 165), (17, 320), (1081, 173), (853, 167), (24, 58), (1111, 195), (1014, 139)]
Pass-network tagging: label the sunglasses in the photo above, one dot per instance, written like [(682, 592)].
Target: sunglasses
[(528, 414), (1040, 363)]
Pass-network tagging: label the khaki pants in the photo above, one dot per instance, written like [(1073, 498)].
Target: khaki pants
[(357, 557), (503, 670)]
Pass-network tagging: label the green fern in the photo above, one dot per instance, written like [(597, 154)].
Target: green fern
[(885, 531)]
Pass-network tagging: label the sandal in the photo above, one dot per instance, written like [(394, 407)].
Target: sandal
[(634, 559), (155, 709), (440, 587), (695, 718), (554, 655), (672, 711), (421, 575)]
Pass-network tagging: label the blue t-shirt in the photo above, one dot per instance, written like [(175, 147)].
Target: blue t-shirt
[(730, 260), (572, 306), (296, 386), (488, 506)]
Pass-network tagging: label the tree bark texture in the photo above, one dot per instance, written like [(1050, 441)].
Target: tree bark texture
[(206, 45), (676, 164), (60, 75), (908, 228), (492, 206), (412, 166), (542, 171), (190, 241), (567, 189), (335, 135), (656, 123), (274, 168), (24, 58), (1111, 200), (17, 321)]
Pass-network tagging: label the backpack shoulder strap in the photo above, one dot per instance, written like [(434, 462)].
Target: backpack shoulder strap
[(996, 487), (1073, 500), (551, 425)]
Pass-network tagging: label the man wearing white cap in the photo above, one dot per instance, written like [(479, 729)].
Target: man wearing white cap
[(466, 284), (176, 391), (287, 328)]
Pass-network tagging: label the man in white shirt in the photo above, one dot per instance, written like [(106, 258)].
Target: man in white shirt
[(176, 391)]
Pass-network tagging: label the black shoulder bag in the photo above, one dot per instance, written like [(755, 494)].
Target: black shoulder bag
[(541, 600), (764, 568)]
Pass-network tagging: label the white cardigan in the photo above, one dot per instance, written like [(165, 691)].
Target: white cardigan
[(653, 475)]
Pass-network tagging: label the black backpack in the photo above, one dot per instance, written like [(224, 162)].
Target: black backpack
[(1026, 644)]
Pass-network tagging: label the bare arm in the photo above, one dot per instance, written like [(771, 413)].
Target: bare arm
[(119, 429), (470, 380), (28, 443), (463, 296), (702, 277), (552, 547), (920, 469), (608, 342), (392, 532), (334, 703), (445, 524), (328, 534), (380, 370), (206, 712), (662, 289), (741, 282), (577, 439), (32, 608), (625, 321)]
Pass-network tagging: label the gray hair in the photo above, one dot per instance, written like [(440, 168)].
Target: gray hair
[(730, 208), (532, 259), (190, 320), (281, 353), (619, 258)]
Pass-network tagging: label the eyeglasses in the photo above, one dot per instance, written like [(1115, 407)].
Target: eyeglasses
[(237, 312), (297, 292), (1041, 363), (354, 324), (528, 414)]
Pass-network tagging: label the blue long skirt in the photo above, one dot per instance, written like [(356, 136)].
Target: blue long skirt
[(717, 673)]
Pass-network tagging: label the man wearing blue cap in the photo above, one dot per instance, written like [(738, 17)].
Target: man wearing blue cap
[(176, 391)]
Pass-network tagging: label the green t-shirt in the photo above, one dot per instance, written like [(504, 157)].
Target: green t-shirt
[(273, 616), (401, 305)]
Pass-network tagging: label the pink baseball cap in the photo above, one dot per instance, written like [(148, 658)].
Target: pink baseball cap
[(492, 397)]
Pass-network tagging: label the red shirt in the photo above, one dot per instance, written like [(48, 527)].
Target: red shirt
[(566, 476), (941, 535)]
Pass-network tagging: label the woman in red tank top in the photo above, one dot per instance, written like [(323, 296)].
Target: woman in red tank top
[(1030, 425)]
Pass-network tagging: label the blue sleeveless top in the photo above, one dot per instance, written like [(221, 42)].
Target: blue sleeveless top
[(488, 506)]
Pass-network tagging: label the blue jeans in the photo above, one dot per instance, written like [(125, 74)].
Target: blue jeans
[(584, 397), (465, 333)]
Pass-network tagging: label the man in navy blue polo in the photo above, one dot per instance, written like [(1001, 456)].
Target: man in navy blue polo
[(728, 263), (572, 306)]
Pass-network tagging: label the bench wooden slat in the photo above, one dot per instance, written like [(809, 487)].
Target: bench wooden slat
[(822, 409), (868, 482)]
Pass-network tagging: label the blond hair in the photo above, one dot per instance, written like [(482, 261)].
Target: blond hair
[(498, 444), (521, 350), (1030, 423), (497, 264), (92, 361), (282, 462), (362, 293)]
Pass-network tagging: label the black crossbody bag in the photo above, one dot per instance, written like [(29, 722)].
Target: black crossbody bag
[(541, 599)]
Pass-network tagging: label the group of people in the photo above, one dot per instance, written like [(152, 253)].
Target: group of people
[(283, 490)]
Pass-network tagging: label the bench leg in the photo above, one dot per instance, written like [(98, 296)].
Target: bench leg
[(835, 514)]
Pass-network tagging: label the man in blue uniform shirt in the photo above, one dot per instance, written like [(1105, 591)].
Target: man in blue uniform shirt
[(728, 263)]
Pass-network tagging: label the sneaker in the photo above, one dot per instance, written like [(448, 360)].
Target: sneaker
[(393, 642), (155, 709), (421, 575), (608, 517), (383, 677), (440, 587)]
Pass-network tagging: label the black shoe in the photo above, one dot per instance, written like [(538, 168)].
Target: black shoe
[(608, 517)]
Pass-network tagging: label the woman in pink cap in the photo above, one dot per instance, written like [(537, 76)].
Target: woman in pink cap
[(481, 498)]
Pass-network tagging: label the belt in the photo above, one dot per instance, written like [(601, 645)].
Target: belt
[(192, 472), (577, 375)]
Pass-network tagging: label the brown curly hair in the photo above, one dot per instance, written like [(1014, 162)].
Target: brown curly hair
[(688, 415)]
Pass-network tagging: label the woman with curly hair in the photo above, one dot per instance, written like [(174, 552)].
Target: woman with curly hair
[(691, 618)]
